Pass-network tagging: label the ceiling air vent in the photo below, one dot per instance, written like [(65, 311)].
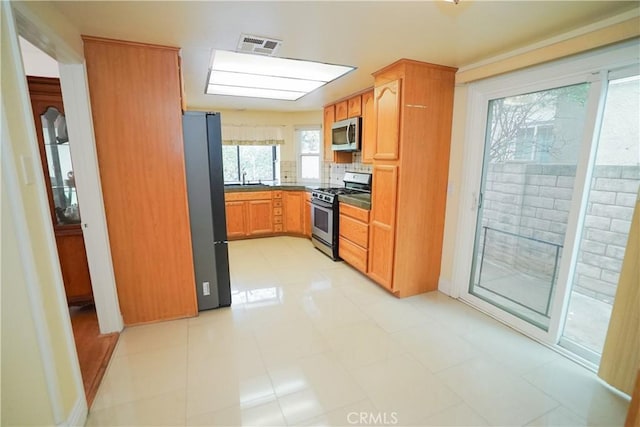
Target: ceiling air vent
[(259, 45)]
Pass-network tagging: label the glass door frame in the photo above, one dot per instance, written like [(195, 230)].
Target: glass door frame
[(590, 67)]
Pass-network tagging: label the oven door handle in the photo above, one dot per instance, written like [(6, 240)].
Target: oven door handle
[(321, 204)]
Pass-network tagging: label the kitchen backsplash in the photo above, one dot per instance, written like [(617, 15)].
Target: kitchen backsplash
[(337, 170), (288, 172), (331, 173)]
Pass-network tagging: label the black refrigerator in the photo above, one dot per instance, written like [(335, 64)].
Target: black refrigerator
[(205, 188)]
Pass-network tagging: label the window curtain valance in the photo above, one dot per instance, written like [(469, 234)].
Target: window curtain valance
[(252, 135)]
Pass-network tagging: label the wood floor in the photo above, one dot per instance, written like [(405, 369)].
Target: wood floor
[(94, 350)]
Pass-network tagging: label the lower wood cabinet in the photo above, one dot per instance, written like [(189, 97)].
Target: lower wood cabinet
[(264, 213), (249, 214), (353, 243), (236, 221), (382, 227), (259, 217), (293, 211)]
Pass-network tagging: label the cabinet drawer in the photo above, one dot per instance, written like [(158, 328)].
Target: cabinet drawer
[(353, 254), (354, 230), (278, 227), (277, 211), (277, 194), (277, 203), (354, 212), (247, 195), (277, 220), (307, 196)]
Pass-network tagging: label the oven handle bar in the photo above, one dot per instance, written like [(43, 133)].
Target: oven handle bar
[(321, 203)]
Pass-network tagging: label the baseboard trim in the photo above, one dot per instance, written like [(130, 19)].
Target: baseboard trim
[(79, 413), (444, 286)]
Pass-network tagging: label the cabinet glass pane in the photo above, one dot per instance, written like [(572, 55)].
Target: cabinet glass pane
[(61, 177)]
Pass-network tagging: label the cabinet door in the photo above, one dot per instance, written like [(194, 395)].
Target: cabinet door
[(329, 154), (382, 225), (329, 119), (236, 226), (354, 106), (259, 217), (368, 127), (293, 211), (342, 110), (387, 108)]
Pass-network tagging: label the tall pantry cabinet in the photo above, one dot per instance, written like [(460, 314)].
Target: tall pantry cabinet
[(413, 103), (135, 93)]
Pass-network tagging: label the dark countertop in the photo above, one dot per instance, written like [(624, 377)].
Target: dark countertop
[(235, 188), (362, 201)]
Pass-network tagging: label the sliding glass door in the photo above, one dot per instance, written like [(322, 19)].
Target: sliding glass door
[(604, 232), (552, 162), (531, 154)]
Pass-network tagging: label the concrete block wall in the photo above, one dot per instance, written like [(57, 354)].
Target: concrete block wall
[(614, 190), (533, 202)]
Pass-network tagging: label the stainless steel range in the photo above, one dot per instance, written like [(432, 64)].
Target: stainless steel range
[(325, 211)]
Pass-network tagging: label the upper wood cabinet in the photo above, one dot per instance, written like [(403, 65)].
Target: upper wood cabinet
[(354, 106), (342, 110), (328, 121), (137, 120), (369, 128), (387, 111), (414, 107)]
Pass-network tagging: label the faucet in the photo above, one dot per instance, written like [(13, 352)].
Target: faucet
[(244, 177)]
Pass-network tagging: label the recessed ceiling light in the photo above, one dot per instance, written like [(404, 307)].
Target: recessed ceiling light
[(239, 74)]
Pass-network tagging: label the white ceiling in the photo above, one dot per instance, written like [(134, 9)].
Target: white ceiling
[(368, 35)]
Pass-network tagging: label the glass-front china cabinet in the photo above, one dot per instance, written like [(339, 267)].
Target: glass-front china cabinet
[(57, 166)]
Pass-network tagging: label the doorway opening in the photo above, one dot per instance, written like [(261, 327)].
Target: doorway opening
[(93, 349)]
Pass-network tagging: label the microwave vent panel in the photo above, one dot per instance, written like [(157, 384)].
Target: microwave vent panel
[(257, 44)]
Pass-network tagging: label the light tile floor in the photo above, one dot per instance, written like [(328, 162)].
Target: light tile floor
[(312, 342)]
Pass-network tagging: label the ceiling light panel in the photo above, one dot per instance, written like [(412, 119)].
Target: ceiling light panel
[(265, 82), (254, 92), (242, 71)]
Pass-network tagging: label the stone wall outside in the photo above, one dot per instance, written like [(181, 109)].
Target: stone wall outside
[(533, 201)]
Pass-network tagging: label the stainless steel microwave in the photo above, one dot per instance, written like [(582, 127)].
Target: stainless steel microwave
[(345, 134)]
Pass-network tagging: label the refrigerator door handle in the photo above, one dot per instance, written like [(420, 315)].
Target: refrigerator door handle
[(220, 241)]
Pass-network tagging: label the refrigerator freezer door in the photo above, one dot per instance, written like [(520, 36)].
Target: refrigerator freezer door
[(222, 264), (208, 264)]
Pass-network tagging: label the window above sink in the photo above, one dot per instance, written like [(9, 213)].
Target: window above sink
[(250, 164)]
